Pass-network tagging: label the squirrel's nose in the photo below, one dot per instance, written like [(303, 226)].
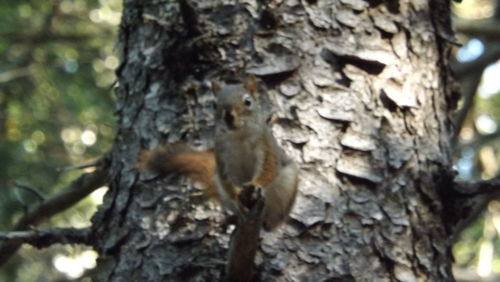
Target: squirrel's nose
[(229, 118)]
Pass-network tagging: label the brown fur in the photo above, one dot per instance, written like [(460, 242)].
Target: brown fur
[(182, 159), (269, 170), (251, 85)]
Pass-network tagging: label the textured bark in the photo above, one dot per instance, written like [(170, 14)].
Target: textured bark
[(363, 95)]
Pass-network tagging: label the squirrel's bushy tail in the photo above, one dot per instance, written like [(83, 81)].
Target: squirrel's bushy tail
[(181, 159)]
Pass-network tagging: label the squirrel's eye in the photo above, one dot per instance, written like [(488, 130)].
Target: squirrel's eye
[(247, 100)]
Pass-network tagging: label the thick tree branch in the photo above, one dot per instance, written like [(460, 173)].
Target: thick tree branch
[(245, 241), (74, 192), (466, 201), (48, 237), (491, 186), (77, 190)]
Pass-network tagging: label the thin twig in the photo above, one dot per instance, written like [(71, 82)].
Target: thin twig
[(47, 237), (7, 76), (34, 191), (73, 167), (21, 201)]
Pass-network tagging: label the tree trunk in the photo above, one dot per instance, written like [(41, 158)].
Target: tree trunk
[(363, 95)]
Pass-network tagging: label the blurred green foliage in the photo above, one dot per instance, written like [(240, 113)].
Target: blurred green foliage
[(478, 155), (56, 109)]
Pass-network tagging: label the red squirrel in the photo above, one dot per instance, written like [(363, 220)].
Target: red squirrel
[(246, 153), (246, 158)]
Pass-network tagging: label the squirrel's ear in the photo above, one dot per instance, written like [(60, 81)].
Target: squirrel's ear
[(215, 87), (251, 84)]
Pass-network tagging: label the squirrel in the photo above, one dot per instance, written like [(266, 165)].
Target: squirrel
[(245, 154), (245, 161)]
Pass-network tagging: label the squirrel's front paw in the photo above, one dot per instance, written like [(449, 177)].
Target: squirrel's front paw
[(251, 200)]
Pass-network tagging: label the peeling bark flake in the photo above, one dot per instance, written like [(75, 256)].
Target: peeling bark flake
[(359, 166), (358, 141)]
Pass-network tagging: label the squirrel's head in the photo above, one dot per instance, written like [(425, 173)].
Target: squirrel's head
[(237, 104)]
